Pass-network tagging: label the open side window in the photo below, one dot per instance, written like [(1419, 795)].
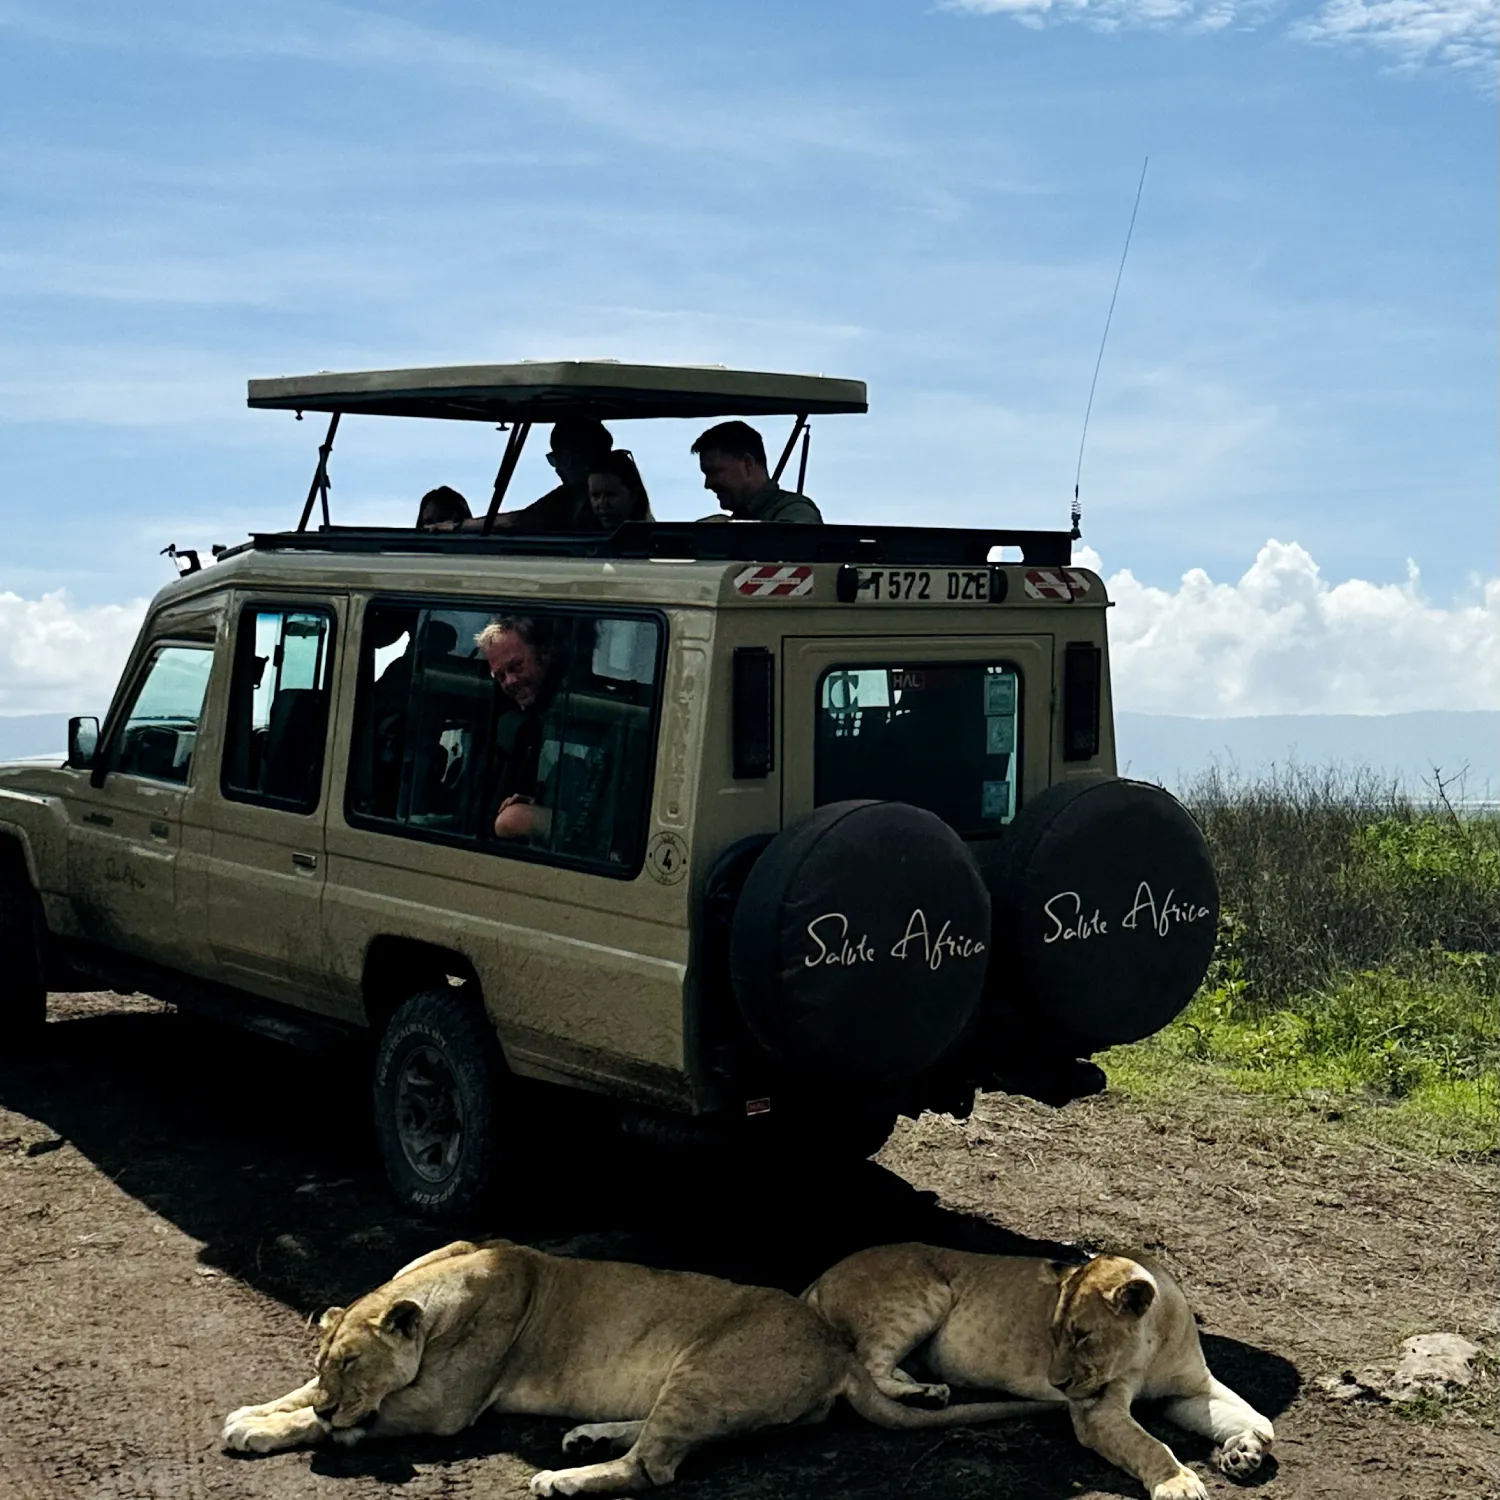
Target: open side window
[(440, 748)]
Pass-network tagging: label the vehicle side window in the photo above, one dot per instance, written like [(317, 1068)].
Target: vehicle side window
[(278, 707), (157, 738), (440, 747)]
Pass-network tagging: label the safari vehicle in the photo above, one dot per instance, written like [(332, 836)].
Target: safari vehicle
[(836, 832)]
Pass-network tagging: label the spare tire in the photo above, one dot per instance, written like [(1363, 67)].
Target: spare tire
[(1106, 910), (860, 943)]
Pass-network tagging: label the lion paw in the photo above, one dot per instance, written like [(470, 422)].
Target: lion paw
[(1183, 1485), (554, 1482), (251, 1429), (1240, 1456)]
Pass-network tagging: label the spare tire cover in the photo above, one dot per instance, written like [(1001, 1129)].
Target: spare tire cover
[(1106, 910), (860, 942)]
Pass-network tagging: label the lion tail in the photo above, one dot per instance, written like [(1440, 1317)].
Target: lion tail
[(861, 1393)]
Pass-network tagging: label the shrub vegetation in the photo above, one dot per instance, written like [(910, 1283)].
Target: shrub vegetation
[(1358, 953)]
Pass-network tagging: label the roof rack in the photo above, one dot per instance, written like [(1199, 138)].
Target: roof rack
[(514, 396), (696, 541)]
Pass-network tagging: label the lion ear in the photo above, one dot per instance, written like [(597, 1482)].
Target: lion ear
[(402, 1318), (330, 1318), (1131, 1298), (1062, 1270)]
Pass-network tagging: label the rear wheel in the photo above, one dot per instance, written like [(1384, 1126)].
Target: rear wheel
[(23, 989), (440, 1092)]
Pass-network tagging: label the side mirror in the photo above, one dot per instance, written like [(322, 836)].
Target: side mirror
[(83, 743)]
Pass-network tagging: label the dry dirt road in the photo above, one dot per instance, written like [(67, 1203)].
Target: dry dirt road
[(177, 1199)]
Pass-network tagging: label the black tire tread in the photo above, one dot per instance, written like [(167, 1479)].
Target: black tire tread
[(455, 1021)]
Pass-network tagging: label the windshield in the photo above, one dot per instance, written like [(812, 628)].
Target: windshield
[(942, 737)]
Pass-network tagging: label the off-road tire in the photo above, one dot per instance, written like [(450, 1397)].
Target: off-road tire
[(440, 1053), (23, 988)]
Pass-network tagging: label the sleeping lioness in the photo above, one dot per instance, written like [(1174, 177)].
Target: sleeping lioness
[(653, 1362), (1096, 1335)]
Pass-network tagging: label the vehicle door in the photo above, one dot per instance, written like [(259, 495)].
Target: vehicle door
[(266, 869), (125, 819), (960, 725)]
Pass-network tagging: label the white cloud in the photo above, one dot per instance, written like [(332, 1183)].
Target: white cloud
[(56, 657), (1285, 640), (1462, 34)]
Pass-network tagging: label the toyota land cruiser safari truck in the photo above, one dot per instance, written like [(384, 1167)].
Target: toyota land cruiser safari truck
[(829, 823)]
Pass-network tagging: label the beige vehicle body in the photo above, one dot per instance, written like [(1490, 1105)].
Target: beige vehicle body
[(590, 979), (825, 817)]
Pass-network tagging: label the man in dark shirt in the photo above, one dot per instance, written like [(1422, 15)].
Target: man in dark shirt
[(733, 460), (519, 654), (577, 444)]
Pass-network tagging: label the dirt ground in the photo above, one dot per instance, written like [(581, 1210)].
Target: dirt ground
[(178, 1198)]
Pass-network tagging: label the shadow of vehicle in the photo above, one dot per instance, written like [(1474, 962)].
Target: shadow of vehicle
[(263, 1155)]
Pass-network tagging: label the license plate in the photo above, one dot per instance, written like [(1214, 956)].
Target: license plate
[(925, 585)]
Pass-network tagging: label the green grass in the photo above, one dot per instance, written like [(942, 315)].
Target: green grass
[(1418, 1050), (1358, 963)]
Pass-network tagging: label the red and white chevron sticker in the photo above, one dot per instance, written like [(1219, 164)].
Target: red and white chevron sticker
[(1056, 583), (775, 583)]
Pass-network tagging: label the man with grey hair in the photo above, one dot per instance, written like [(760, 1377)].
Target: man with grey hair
[(519, 653)]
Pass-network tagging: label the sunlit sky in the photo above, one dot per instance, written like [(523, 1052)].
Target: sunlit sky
[(931, 198)]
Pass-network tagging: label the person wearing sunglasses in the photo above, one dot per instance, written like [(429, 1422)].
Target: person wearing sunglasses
[(578, 443)]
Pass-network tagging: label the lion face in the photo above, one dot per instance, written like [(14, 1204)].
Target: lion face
[(364, 1358), (1096, 1325)]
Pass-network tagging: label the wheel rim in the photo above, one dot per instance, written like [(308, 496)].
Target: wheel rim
[(429, 1114)]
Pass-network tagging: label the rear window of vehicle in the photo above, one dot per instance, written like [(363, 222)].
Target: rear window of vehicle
[(945, 737)]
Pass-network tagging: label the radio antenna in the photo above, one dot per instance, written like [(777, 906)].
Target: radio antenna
[(1078, 472)]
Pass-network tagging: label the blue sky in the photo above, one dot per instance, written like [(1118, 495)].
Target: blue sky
[(931, 198)]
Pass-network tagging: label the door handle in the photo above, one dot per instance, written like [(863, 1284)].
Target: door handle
[(305, 861), (102, 819)]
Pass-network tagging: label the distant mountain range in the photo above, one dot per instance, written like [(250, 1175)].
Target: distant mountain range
[(1172, 750), (25, 735)]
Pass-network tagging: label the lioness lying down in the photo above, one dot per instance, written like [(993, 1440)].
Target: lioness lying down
[(1096, 1335), (654, 1362)]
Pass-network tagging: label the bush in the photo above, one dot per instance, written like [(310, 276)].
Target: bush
[(1358, 952), (1327, 871)]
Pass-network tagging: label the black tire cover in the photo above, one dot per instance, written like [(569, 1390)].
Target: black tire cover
[(1106, 910), (860, 942)]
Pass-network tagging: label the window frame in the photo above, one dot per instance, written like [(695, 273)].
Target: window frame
[(1005, 663), (250, 608), (110, 754), (478, 844)]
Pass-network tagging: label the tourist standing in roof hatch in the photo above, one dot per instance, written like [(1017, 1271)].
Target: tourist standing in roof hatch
[(578, 443), (578, 446), (733, 460)]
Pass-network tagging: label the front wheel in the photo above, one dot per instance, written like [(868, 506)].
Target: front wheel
[(440, 1089)]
